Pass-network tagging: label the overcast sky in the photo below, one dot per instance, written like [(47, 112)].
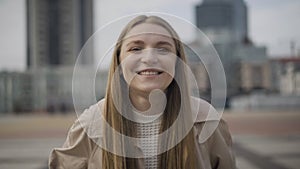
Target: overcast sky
[(273, 23)]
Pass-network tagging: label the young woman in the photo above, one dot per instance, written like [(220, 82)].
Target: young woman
[(147, 98)]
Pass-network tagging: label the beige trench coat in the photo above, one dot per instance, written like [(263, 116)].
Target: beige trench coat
[(81, 152)]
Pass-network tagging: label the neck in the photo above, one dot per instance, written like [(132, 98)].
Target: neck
[(140, 101), (148, 103)]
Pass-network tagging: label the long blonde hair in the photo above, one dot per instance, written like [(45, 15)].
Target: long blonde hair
[(183, 155)]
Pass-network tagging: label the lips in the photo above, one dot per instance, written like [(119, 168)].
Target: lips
[(149, 72)]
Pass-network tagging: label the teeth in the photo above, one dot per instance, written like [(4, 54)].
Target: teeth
[(149, 73)]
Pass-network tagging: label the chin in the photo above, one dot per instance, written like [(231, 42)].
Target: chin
[(148, 89)]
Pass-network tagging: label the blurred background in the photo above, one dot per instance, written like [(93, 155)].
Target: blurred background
[(258, 42)]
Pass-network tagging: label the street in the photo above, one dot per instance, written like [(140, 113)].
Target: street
[(262, 140)]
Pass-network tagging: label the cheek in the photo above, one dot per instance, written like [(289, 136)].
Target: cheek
[(128, 67), (169, 65)]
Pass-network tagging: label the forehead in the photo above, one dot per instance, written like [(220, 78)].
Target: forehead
[(149, 31)]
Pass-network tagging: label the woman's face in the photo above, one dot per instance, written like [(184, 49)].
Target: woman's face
[(148, 57)]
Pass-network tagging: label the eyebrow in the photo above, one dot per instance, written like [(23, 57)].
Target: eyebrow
[(136, 42), (159, 43), (164, 43)]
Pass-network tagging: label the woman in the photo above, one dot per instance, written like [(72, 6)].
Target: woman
[(147, 95)]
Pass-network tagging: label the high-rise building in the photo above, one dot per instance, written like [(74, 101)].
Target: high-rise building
[(57, 30), (223, 20), (225, 23)]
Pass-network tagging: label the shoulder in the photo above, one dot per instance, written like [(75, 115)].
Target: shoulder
[(203, 111), (88, 119), (90, 113), (208, 120), (212, 132), (80, 142), (91, 120), (215, 141)]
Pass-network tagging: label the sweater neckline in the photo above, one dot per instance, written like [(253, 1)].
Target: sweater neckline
[(140, 117)]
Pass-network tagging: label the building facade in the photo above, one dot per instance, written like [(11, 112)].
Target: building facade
[(57, 30), (47, 90), (288, 73), (223, 21), (246, 65)]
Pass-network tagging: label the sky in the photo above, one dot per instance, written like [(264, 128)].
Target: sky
[(271, 23)]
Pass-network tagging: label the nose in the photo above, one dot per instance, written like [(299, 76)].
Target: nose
[(149, 57)]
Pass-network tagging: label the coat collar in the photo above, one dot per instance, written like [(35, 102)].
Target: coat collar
[(92, 120)]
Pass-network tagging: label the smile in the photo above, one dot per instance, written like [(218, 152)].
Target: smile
[(149, 72)]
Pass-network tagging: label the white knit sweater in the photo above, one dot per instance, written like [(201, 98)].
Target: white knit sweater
[(148, 134)]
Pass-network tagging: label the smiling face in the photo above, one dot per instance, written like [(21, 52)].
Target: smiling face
[(148, 57)]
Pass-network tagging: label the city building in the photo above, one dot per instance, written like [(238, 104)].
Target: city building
[(246, 65), (48, 90), (223, 21), (57, 30), (288, 73), (285, 78), (15, 92)]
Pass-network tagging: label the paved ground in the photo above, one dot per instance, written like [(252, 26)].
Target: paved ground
[(26, 141), (262, 140), (266, 140)]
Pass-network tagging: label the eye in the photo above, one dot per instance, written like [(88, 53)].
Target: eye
[(135, 49), (162, 50)]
